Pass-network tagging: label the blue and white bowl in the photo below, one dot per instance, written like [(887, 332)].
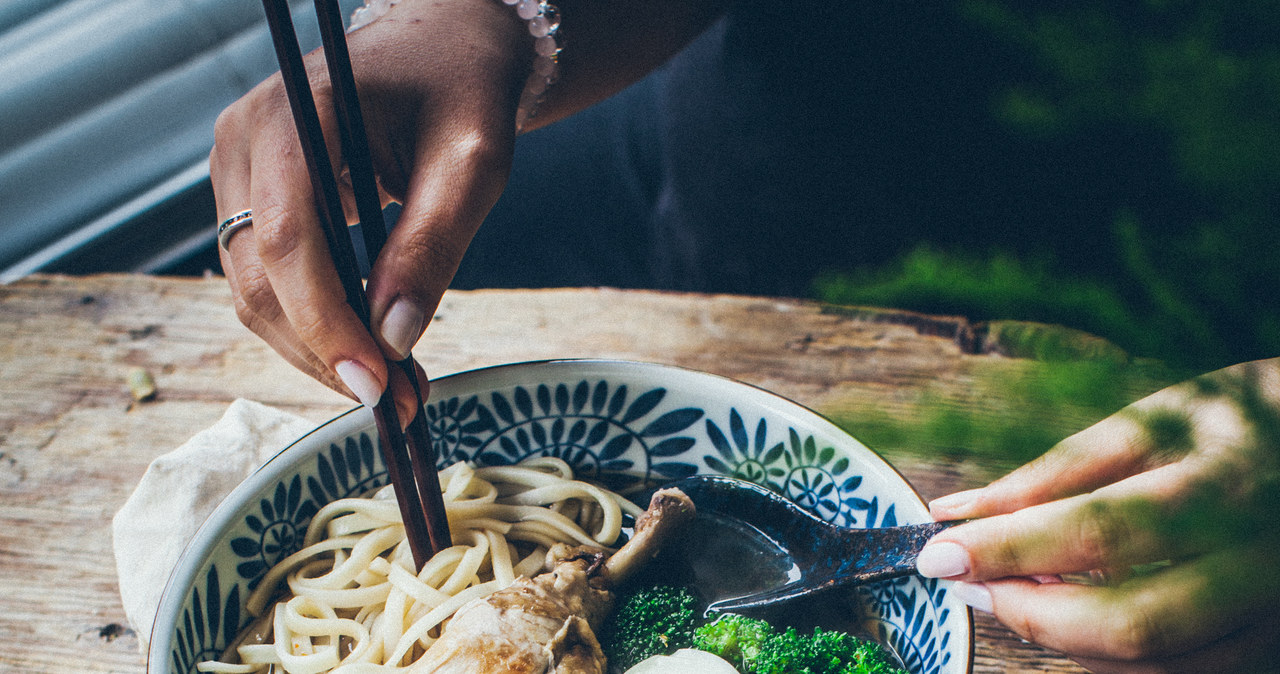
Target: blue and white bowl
[(621, 423)]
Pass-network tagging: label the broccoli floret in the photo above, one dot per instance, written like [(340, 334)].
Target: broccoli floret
[(868, 657), (755, 647), (822, 652), (734, 637), (662, 619), (649, 621)]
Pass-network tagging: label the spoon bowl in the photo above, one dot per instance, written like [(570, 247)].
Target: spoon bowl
[(815, 555)]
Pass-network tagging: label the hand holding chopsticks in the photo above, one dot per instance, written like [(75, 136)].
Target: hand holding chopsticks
[(441, 83), (409, 454), (438, 132)]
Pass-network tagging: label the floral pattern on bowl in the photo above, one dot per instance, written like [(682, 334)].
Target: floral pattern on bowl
[(624, 424)]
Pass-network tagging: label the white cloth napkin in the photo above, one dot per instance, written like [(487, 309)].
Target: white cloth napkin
[(179, 490)]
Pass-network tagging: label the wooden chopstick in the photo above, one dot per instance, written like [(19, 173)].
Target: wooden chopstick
[(355, 146), (410, 457), (364, 183)]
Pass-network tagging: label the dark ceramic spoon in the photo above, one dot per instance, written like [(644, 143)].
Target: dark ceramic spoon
[(821, 555)]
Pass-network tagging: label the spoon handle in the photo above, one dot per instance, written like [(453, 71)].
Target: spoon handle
[(868, 555)]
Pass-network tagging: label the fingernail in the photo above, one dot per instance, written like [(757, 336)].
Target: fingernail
[(952, 502), (361, 381), (401, 326), (942, 560), (975, 595)]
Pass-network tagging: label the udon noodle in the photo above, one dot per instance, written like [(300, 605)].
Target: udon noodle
[(353, 602)]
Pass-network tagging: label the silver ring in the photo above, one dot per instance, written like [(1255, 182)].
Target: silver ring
[(231, 225)]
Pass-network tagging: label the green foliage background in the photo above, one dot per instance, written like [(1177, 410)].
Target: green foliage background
[(1114, 167)]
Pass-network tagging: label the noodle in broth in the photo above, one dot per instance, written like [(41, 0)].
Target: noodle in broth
[(353, 603)]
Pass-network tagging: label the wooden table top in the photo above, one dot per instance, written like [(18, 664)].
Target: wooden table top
[(924, 391)]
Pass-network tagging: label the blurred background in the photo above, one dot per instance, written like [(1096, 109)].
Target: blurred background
[(106, 121), (1111, 167)]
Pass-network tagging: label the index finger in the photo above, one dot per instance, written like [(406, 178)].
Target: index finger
[(296, 258)]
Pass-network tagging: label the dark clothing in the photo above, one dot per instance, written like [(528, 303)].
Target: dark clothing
[(732, 168)]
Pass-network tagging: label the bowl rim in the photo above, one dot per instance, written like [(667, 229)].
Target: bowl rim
[(183, 573)]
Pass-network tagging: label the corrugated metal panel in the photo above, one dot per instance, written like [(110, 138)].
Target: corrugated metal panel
[(107, 109)]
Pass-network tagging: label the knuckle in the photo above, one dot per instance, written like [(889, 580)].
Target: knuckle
[(235, 123), (315, 329), (227, 126), (247, 315), (1008, 558), (482, 152), (256, 323), (275, 234), (1137, 632), (432, 249), (1026, 626), (1101, 532), (228, 130), (482, 158), (253, 302), (1004, 554)]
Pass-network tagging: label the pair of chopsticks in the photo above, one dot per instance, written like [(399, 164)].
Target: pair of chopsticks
[(409, 454)]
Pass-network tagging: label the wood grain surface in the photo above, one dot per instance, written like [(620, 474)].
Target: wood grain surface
[(74, 441)]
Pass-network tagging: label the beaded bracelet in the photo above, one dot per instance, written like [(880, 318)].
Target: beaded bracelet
[(543, 20)]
